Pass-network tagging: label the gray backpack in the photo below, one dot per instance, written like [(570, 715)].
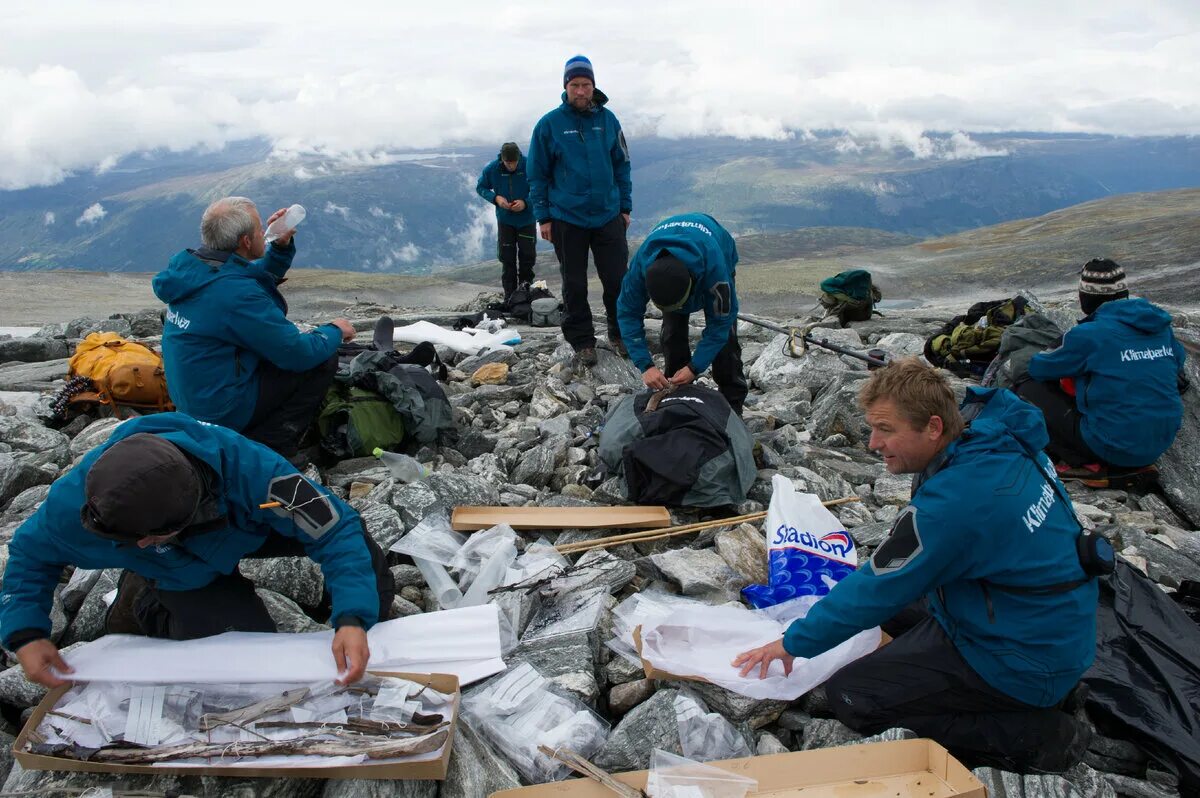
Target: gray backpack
[(545, 312)]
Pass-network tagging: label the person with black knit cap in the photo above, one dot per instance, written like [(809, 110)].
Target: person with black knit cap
[(503, 184), (1110, 392), (582, 196), (686, 264), (177, 504)]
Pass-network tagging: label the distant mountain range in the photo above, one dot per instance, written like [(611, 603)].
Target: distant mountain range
[(417, 213)]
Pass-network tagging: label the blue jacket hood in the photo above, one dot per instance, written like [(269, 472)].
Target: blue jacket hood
[(997, 417), (194, 269), (1134, 312)]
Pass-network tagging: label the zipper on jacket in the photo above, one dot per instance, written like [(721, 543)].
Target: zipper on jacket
[(237, 363), (987, 598)]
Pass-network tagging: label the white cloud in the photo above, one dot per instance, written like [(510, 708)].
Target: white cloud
[(49, 218), (94, 213), (300, 173), (81, 93), (341, 210), (408, 253), (474, 241), (378, 213)]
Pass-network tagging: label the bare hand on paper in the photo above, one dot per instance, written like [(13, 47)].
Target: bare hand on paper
[(40, 659), (350, 653), (762, 657)]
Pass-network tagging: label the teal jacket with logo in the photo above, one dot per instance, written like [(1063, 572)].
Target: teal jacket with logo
[(985, 512), (1125, 362), (225, 315), (496, 179), (579, 166)]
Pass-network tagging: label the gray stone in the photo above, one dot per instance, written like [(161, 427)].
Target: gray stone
[(472, 442), (535, 467), (27, 435), (470, 364), (93, 435), (621, 671), (893, 489), (890, 735), (20, 472), (1178, 474), (298, 578), (624, 697), (1079, 782), (384, 524), (856, 472), (827, 733), (380, 788), (1167, 565), (564, 655), (441, 492), (407, 575), (86, 327), (6, 755), (403, 608), (598, 567), (1130, 787), (902, 344), (25, 503), (1115, 756), (88, 623), (815, 369), (33, 350), (698, 572), (769, 744), (735, 707), (651, 724), (287, 615), (836, 411), (51, 782), (476, 769), (357, 469), (545, 404), (45, 376), (744, 549)]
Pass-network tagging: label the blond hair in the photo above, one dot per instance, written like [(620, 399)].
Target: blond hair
[(920, 392)]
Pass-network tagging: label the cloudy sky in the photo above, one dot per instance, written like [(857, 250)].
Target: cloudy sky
[(83, 83)]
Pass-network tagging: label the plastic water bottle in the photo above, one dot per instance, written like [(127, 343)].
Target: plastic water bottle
[(403, 467), (294, 216)]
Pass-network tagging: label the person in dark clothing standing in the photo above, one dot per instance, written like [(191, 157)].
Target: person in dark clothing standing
[(582, 194), (178, 503), (503, 183), (686, 264), (231, 355)]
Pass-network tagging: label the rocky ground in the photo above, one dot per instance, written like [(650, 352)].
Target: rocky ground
[(528, 436)]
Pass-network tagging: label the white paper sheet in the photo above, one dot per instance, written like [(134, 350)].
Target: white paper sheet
[(704, 641), (464, 642)]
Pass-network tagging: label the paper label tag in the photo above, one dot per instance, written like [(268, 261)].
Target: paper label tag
[(145, 711), (518, 688)]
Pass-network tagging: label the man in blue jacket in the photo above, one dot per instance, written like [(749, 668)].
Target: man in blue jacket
[(686, 264), (1009, 621), (178, 503), (1125, 369), (230, 354), (503, 183), (582, 196)]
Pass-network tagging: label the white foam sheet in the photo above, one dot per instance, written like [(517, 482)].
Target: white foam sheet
[(704, 641), (469, 341), (464, 642)]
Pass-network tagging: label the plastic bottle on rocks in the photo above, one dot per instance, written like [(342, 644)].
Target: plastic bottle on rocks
[(403, 467), (294, 216)]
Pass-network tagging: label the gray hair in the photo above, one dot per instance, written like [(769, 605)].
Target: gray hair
[(225, 222)]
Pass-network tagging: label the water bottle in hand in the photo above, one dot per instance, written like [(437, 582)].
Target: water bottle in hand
[(403, 467), (294, 216)]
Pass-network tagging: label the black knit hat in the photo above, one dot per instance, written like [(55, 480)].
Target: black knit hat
[(142, 485), (509, 151), (1100, 280), (668, 281)]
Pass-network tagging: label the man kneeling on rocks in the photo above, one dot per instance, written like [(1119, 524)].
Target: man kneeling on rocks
[(984, 664), (178, 503)]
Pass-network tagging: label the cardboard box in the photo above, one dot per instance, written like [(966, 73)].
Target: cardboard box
[(467, 518), (427, 769), (904, 768)]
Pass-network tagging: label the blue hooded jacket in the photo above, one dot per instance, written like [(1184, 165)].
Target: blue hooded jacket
[(495, 179), (1125, 362), (224, 316), (985, 513), (710, 255), (579, 166), (54, 537)]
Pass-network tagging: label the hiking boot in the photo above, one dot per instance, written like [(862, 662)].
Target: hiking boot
[(618, 346), (587, 356), (121, 618)]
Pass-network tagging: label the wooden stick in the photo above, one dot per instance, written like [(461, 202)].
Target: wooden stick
[(583, 767), (658, 534)]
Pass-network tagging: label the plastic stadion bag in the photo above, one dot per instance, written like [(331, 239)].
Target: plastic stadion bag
[(809, 551)]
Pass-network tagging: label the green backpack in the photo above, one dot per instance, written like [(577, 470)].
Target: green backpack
[(850, 295), (353, 422)]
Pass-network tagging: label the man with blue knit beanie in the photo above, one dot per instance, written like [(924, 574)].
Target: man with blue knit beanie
[(582, 195)]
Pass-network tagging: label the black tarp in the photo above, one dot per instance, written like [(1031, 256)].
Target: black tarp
[(1145, 683)]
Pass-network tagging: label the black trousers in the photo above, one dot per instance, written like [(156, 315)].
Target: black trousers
[(1062, 422), (229, 603), (287, 403), (726, 366), (610, 251), (919, 681), (517, 246)]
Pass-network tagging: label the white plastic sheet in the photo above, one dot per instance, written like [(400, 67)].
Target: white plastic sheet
[(469, 343), (705, 736), (464, 642), (704, 641), (645, 610)]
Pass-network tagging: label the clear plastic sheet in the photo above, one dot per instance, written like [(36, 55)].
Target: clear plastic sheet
[(520, 710), (478, 550), (705, 736), (674, 776), (645, 610), (570, 613), (431, 540)]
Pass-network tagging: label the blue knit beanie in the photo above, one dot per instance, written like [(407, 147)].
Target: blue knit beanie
[(578, 66)]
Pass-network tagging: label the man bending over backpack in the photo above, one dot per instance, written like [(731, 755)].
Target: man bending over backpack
[(230, 354), (178, 503)]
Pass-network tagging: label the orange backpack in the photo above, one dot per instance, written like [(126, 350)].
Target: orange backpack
[(125, 374)]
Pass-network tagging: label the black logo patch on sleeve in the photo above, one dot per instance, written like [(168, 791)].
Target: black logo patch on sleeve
[(722, 299), (901, 546), (304, 503)]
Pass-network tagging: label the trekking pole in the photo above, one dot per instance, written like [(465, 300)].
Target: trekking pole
[(874, 358)]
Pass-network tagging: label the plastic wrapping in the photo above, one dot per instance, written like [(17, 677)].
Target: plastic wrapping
[(431, 540), (570, 613), (478, 549), (491, 573), (465, 342), (520, 710), (645, 610), (705, 736), (444, 588), (809, 550), (674, 776)]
